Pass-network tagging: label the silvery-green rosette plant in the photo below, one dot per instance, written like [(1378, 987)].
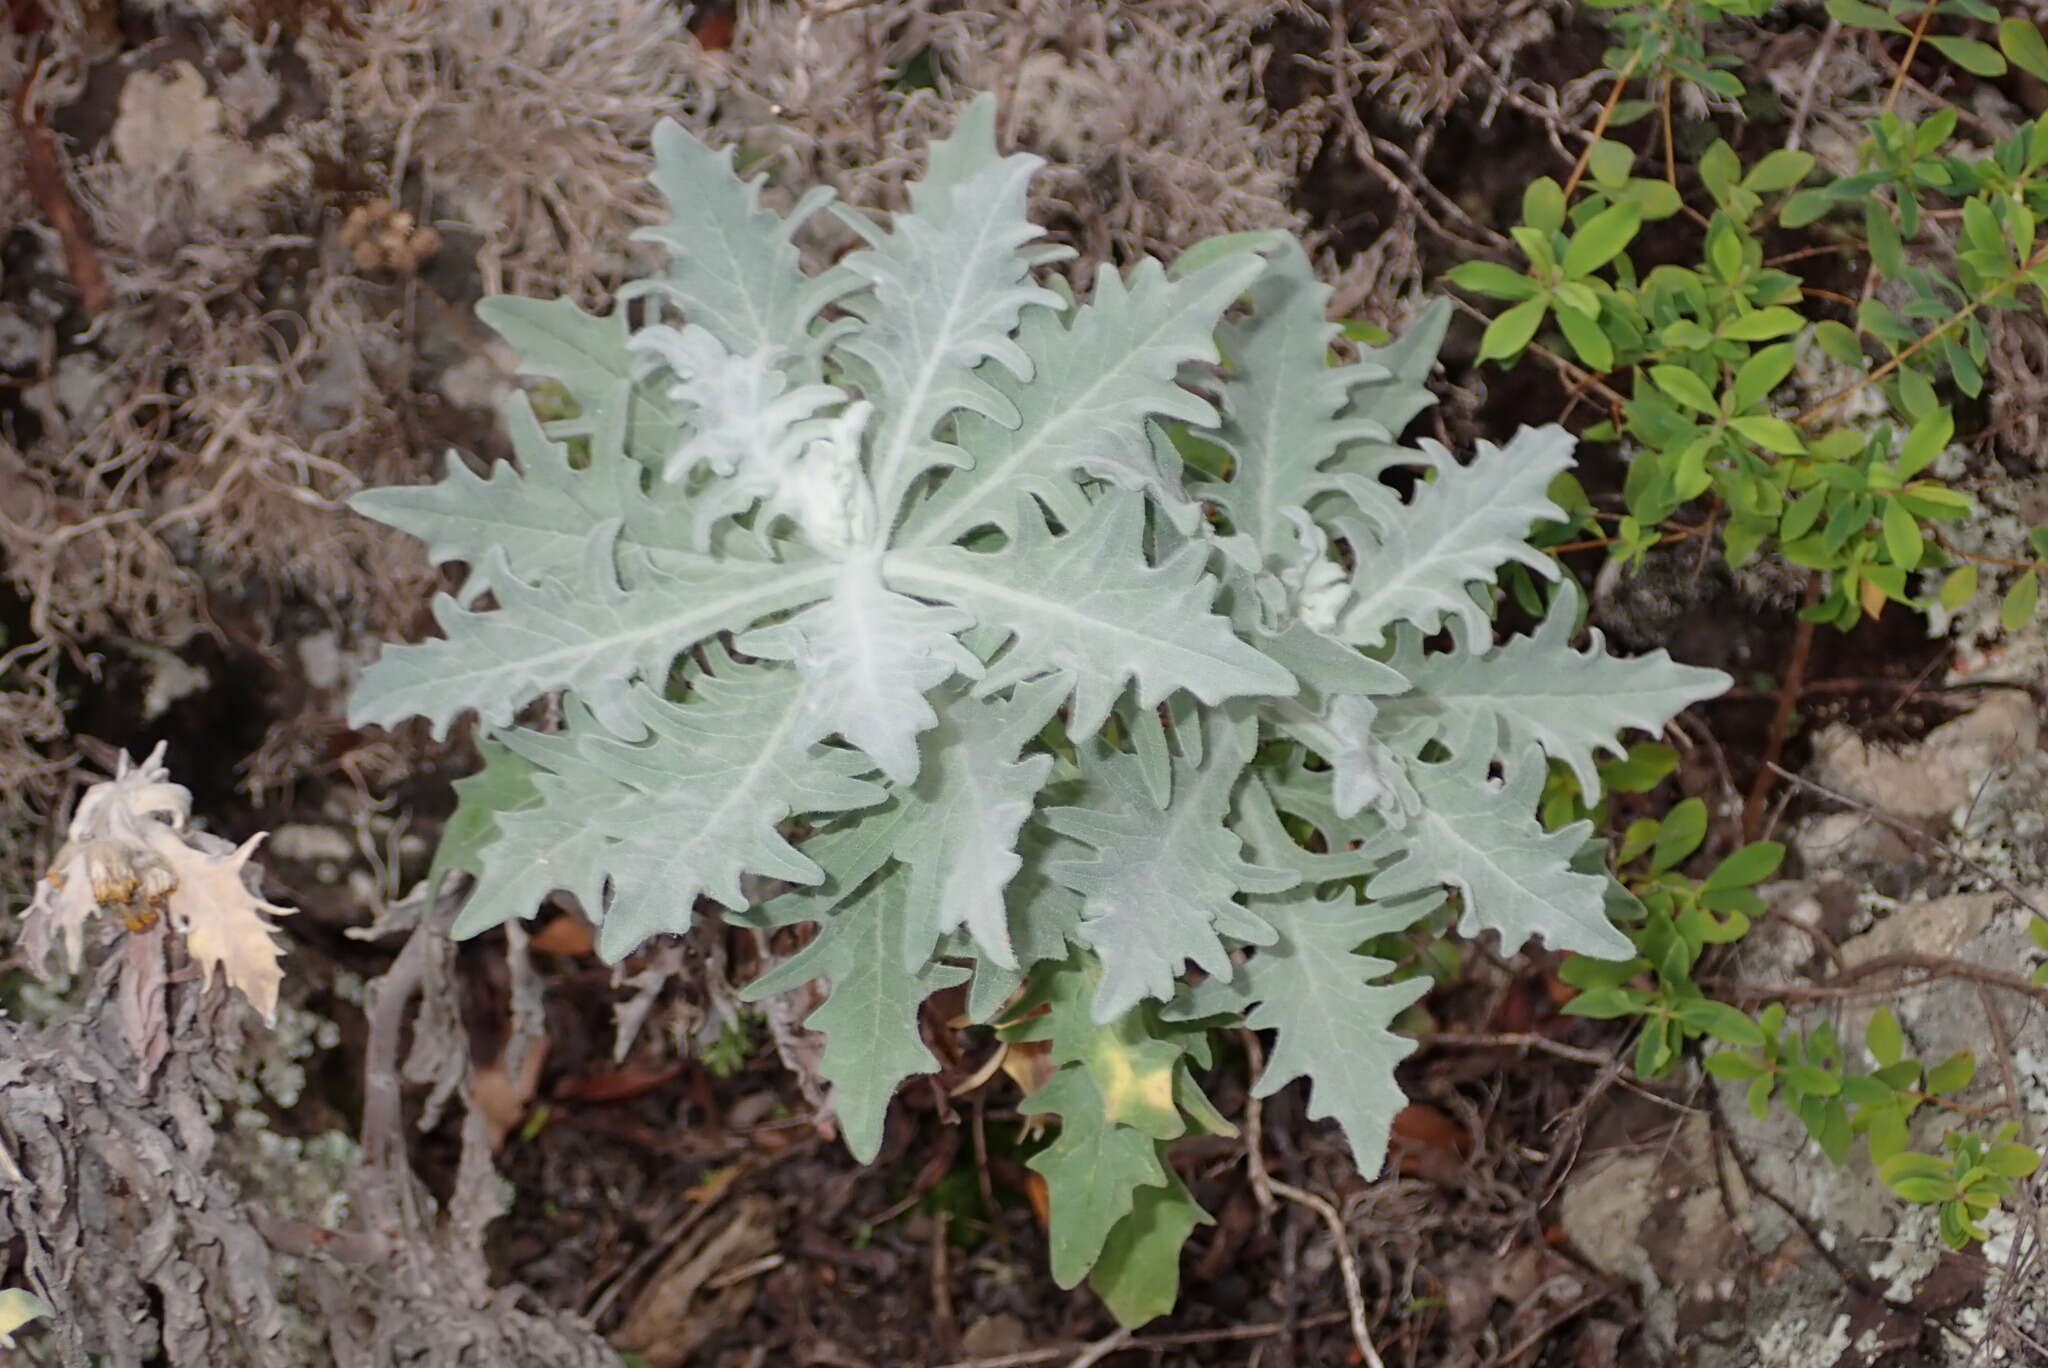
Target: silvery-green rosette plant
[(903, 556)]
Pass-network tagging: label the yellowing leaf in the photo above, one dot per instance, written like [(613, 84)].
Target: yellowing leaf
[(17, 1308), (223, 922), (129, 850)]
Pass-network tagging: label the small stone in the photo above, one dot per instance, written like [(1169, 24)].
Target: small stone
[(993, 1336)]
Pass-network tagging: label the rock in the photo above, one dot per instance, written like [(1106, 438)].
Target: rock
[(993, 1337), (1655, 1217), (1940, 775)]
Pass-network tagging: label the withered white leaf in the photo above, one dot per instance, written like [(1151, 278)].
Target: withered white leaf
[(223, 921), (130, 849)]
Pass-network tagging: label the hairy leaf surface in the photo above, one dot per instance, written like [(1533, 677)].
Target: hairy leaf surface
[(1455, 531), (1536, 688), (1088, 606), (1481, 838), (1161, 890), (685, 811), (1043, 644), (870, 1020)]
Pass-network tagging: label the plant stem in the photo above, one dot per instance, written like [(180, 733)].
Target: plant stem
[(1600, 124), (1781, 717), (1960, 315), (1906, 62)]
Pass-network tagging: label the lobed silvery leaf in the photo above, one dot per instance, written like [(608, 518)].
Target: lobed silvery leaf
[(1099, 376), (1088, 605), (998, 593), (867, 657), (680, 806), (1455, 531), (870, 1017), (1331, 1023), (1162, 887), (1286, 411), (1480, 836), (1536, 688)]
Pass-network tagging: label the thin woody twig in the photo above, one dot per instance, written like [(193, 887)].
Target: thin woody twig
[(43, 167), (1347, 1265), (1101, 1349), (1265, 1188), (1523, 1040), (1029, 1358), (1918, 837), (1781, 716), (1255, 1128), (1849, 983)]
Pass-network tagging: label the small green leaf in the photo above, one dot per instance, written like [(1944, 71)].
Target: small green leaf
[(1685, 335), (2021, 43), (1904, 1074), (1600, 239), (1916, 394), (1762, 373), (1922, 1189), (1576, 296), (1586, 339), (1838, 340), (1746, 867), (1779, 170), (1718, 169), (1606, 1004), (1687, 388), (1543, 205), (1740, 541), (1657, 199), (1735, 1067), (1857, 14), (1803, 513), (1772, 434), (1647, 764), (1507, 335), (1758, 1099), (1901, 535), (2037, 537), (1358, 330), (1492, 279), (1886, 1041), (1952, 1073), (1979, 59), (1887, 1134), (1926, 441), (1930, 500), (1610, 162), (2018, 608), (1683, 828), (1805, 206), (1833, 1133), (1636, 839), (1814, 1082), (1656, 1049), (2012, 1161), (1724, 250), (1887, 252), (1760, 325), (1729, 1025)]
